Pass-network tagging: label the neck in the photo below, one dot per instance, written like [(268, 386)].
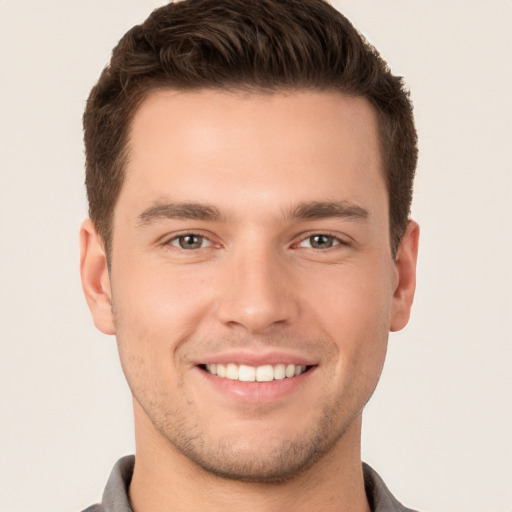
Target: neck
[(164, 479)]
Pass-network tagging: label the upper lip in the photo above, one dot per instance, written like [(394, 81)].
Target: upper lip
[(259, 358)]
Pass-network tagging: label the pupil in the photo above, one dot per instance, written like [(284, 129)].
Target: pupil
[(321, 241), (190, 241)]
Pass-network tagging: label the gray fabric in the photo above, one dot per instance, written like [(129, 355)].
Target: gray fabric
[(115, 497), (379, 496)]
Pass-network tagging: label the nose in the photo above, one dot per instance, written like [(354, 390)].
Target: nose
[(257, 292)]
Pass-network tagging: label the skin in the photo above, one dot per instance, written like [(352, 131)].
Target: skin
[(255, 284)]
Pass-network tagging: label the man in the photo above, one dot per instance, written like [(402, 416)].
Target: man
[(249, 175)]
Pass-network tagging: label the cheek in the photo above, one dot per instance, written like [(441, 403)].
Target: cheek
[(158, 304), (354, 308), (353, 297)]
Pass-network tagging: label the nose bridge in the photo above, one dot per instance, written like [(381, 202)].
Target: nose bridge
[(256, 290)]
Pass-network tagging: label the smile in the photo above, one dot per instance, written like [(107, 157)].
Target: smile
[(263, 373)]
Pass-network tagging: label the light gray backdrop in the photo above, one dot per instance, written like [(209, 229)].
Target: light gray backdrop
[(439, 426)]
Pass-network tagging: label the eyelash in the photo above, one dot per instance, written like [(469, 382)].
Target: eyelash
[(334, 239)]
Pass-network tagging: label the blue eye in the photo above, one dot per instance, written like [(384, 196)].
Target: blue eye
[(320, 241), (188, 242)]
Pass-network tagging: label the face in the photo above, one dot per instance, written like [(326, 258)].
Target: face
[(252, 281)]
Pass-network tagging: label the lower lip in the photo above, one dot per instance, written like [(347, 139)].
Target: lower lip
[(257, 392)]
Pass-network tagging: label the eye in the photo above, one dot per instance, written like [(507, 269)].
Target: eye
[(189, 241), (320, 241)]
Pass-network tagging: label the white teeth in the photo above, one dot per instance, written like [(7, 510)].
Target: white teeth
[(221, 370), (246, 373), (290, 370), (232, 371), (299, 369), (264, 373), (279, 371)]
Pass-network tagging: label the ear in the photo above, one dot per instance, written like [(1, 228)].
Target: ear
[(95, 278), (405, 277)]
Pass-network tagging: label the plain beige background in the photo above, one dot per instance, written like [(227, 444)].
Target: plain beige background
[(439, 427)]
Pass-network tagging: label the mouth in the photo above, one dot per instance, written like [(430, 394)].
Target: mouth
[(256, 377), (262, 373)]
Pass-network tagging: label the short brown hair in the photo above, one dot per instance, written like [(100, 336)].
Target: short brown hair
[(261, 46)]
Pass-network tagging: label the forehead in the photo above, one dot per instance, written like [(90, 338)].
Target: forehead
[(230, 115), (283, 146)]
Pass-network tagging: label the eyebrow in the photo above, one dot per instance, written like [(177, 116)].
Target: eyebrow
[(329, 209), (178, 211), (305, 211)]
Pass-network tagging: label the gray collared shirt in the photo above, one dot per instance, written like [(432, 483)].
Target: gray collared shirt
[(115, 497)]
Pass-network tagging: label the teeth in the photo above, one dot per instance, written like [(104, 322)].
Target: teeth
[(279, 371), (264, 373), (290, 370), (246, 373), (232, 371), (221, 370)]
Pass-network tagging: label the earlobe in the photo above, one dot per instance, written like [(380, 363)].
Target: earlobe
[(405, 277), (95, 278)]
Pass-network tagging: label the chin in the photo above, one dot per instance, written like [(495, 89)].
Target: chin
[(270, 465), (264, 460)]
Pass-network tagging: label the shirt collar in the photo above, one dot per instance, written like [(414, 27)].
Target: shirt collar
[(115, 497)]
